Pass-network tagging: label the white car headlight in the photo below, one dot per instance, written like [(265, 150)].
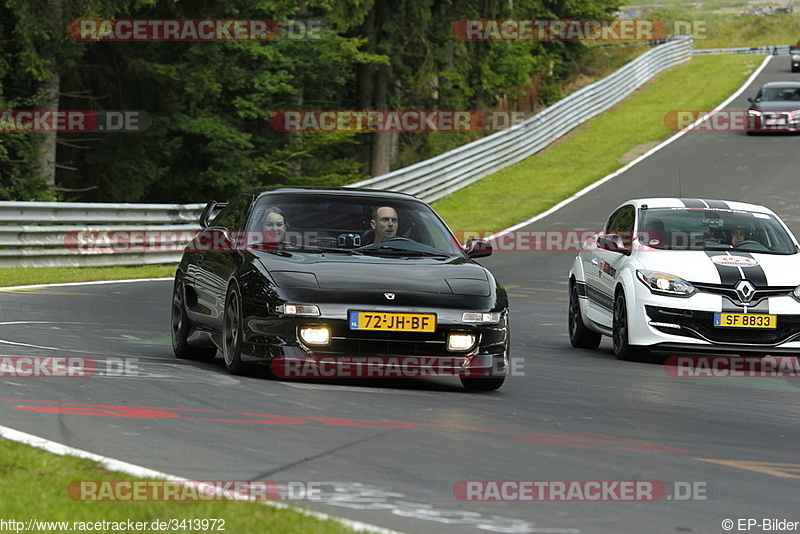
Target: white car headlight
[(754, 113), (665, 284)]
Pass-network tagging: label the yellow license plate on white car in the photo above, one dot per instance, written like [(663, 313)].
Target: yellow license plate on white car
[(745, 320), (396, 322)]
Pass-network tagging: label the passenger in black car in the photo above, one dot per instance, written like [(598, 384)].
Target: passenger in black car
[(274, 225)]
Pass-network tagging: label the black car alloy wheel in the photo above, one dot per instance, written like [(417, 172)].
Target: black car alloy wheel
[(232, 332), (579, 336), (620, 328)]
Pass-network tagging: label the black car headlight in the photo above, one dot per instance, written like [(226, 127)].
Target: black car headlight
[(665, 284), (460, 341), (315, 335)]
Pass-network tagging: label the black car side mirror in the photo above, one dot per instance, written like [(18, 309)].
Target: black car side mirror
[(211, 207), (478, 248)]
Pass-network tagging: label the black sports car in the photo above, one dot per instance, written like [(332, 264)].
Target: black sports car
[(341, 283)]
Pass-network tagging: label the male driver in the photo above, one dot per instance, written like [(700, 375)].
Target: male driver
[(384, 222)]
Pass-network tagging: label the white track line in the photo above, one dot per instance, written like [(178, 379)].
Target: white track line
[(144, 472), (93, 283)]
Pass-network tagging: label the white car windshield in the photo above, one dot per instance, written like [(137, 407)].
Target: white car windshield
[(713, 229)]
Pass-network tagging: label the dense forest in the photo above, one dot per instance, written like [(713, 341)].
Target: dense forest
[(210, 102)]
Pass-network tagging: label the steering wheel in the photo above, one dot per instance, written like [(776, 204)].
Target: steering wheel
[(397, 238), (749, 242)]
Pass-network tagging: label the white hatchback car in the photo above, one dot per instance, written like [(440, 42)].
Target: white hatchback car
[(688, 274)]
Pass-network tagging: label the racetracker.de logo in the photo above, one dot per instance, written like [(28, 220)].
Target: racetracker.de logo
[(173, 30), (172, 490), (47, 367), (377, 121), (124, 121), (559, 30), (732, 366), (197, 29), (735, 120), (384, 367), (555, 240), (579, 490)]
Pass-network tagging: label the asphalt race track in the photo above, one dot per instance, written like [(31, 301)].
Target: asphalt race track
[(391, 452)]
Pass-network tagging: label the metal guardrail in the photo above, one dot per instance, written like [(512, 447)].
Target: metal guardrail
[(78, 234), (773, 50), (81, 234), (439, 176)]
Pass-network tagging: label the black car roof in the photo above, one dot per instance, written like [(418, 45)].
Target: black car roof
[(338, 191)]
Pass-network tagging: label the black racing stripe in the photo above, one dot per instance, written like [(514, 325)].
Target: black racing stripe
[(758, 278), (755, 274), (600, 298), (693, 203), (719, 204), (731, 275), (727, 276)]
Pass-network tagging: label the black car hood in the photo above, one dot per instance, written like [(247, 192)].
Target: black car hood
[(348, 273)]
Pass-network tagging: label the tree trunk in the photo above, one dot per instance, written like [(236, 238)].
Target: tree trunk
[(46, 161), (381, 153)]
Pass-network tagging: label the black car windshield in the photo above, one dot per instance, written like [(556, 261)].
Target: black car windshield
[(713, 229), (319, 222)]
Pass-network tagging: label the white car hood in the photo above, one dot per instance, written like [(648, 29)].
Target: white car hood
[(716, 267)]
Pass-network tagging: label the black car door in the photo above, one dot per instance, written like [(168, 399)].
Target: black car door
[(221, 257)]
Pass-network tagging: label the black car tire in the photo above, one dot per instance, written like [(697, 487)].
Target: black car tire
[(232, 334), (482, 383), (579, 336), (622, 349), (180, 327)]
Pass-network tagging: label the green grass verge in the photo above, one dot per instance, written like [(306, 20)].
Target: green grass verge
[(730, 32), (727, 26), (35, 486), (596, 148)]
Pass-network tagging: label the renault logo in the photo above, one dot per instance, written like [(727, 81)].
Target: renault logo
[(745, 291), (389, 296)]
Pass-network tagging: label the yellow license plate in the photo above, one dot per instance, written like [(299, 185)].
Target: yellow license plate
[(745, 320), (396, 322)]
